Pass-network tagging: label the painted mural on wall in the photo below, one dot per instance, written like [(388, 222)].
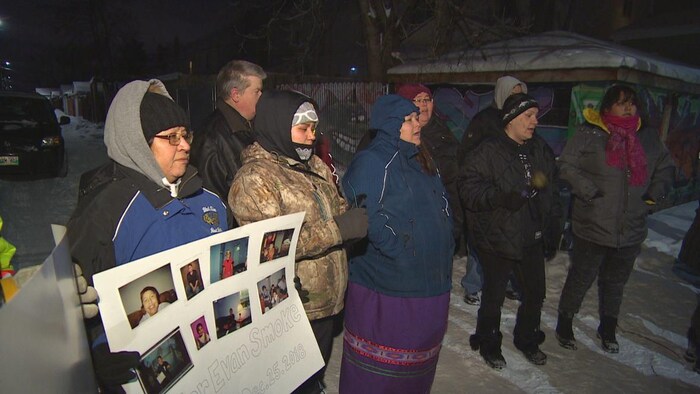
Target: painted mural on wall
[(683, 139), (561, 108), (457, 105), (345, 109)]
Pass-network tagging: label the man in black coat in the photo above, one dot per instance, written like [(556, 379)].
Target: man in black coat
[(217, 146), (513, 214), (486, 124)]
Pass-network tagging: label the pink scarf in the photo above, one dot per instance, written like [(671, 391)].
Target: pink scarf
[(624, 149)]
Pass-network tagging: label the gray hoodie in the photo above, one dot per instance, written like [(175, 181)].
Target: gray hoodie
[(505, 85), (123, 133)]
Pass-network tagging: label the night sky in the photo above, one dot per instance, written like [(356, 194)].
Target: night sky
[(51, 42), (34, 32)]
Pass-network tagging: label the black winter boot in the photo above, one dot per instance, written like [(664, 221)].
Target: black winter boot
[(690, 352), (565, 331), (693, 349), (490, 350), (533, 354), (606, 334), (485, 326), (528, 343), (540, 337), (475, 341)]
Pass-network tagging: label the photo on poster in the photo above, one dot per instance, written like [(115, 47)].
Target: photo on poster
[(144, 297), (164, 364), (273, 290), (192, 278), (200, 332), (228, 259), (275, 244), (232, 312)]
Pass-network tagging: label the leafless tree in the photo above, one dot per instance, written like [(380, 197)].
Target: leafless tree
[(91, 31), (382, 21), (449, 23)]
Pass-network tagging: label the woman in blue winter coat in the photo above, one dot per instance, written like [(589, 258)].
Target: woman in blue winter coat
[(399, 286)]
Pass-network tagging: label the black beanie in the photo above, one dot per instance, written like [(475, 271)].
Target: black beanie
[(158, 113), (515, 105)]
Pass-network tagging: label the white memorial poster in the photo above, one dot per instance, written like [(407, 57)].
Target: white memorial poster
[(218, 315), (44, 347)]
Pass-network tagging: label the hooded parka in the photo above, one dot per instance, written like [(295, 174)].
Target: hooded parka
[(271, 183)]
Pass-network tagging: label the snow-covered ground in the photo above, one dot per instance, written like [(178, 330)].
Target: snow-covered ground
[(655, 312), (655, 316)]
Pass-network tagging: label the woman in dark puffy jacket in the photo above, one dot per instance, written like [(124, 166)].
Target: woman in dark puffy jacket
[(618, 171), (507, 186)]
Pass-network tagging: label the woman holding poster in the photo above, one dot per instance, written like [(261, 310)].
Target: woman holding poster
[(145, 200), (399, 290), (280, 176)]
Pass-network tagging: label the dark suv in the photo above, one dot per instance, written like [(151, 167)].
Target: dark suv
[(30, 136)]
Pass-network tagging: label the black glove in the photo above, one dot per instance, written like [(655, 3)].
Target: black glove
[(352, 224), (303, 294), (114, 369), (511, 201)]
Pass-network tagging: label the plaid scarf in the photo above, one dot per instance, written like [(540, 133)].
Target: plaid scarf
[(623, 149)]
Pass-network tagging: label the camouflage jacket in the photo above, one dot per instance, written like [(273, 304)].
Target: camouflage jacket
[(269, 185)]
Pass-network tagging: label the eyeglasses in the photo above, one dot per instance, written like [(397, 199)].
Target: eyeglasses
[(422, 101), (174, 138)]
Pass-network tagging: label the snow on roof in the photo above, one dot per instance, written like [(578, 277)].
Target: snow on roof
[(48, 92), (554, 50)]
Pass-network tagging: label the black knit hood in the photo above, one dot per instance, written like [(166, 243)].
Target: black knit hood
[(273, 120)]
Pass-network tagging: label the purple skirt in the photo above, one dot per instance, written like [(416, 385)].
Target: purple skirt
[(391, 344)]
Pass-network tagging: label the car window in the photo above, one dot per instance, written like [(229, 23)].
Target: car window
[(25, 112)]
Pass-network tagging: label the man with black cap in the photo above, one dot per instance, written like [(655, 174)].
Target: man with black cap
[(146, 199), (507, 189)]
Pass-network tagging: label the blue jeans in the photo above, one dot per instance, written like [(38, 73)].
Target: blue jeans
[(473, 279)]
